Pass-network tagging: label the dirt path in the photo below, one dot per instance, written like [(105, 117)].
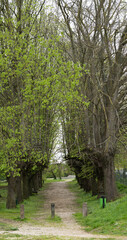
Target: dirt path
[(64, 200)]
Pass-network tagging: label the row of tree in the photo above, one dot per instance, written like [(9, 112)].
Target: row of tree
[(97, 35), (34, 81)]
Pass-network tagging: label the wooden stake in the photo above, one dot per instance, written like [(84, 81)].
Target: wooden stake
[(22, 211), (85, 210), (52, 210)]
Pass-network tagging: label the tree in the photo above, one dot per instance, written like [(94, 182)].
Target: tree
[(97, 31)]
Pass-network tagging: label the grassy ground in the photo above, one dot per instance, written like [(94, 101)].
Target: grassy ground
[(109, 220), (50, 180), (34, 202), (7, 227), (20, 237)]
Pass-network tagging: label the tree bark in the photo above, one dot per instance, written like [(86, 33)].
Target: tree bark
[(84, 183), (11, 195), (19, 193), (25, 186), (87, 184), (40, 178), (35, 180), (110, 189)]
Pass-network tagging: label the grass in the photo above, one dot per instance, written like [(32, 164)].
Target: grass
[(50, 180), (31, 206), (7, 227), (21, 237), (55, 219), (17, 236), (110, 220)]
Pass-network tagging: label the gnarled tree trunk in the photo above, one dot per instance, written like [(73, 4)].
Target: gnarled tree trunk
[(14, 195)]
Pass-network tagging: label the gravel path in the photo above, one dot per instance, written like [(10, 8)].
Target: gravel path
[(65, 207)]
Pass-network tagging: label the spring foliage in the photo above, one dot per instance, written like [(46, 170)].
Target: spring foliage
[(36, 82)]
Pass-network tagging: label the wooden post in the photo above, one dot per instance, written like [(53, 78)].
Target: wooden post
[(52, 210), (85, 210), (22, 211)]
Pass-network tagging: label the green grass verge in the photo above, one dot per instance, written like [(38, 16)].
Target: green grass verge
[(7, 227), (31, 206), (17, 236), (110, 220), (21, 237)]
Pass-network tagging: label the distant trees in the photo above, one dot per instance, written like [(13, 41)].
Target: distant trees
[(97, 33), (57, 170)]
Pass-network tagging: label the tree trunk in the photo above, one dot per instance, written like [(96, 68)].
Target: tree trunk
[(100, 180), (94, 186), (25, 186), (19, 193), (110, 189), (30, 185), (11, 195), (84, 183), (87, 184), (54, 176), (40, 178), (35, 182), (100, 184)]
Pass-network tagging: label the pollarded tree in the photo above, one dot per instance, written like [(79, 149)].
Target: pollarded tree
[(97, 31)]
